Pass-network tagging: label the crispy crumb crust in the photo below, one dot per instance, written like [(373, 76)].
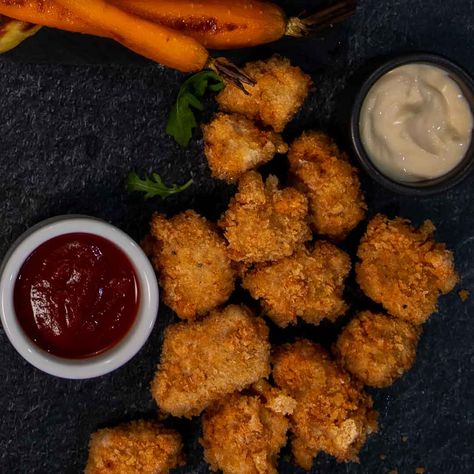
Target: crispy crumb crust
[(203, 361), (195, 273), (332, 185), (377, 349), (307, 284), (278, 94), (243, 433), (264, 223), (333, 414), (233, 145), (140, 446), (403, 268)]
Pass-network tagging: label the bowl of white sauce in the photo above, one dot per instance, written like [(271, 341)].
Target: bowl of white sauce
[(412, 124)]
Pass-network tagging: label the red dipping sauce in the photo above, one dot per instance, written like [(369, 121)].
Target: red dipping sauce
[(76, 295)]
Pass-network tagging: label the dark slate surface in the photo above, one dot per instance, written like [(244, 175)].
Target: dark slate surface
[(77, 113)]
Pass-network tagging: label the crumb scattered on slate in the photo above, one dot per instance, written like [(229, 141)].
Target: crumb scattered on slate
[(404, 439), (420, 470), (383, 457), (463, 294)]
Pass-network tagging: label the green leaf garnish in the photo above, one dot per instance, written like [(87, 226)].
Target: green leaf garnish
[(153, 185), (182, 120)]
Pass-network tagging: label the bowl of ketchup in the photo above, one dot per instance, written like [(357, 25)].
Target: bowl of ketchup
[(79, 297)]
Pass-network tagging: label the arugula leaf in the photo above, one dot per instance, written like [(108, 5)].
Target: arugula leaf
[(153, 186), (182, 120)]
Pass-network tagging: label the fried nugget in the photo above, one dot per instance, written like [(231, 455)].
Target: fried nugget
[(403, 268), (332, 185), (377, 349), (333, 414), (307, 284), (278, 94), (243, 433), (264, 223), (203, 361), (138, 447), (234, 145), (195, 273)]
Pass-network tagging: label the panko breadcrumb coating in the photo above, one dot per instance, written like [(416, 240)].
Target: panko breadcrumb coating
[(333, 414), (195, 273), (234, 145), (203, 361), (377, 349), (263, 222), (307, 284), (275, 399), (138, 447), (403, 268), (278, 94), (243, 433), (332, 185)]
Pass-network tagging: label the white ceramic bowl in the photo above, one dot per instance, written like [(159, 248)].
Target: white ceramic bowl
[(108, 360)]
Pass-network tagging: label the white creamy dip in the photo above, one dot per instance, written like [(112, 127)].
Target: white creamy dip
[(415, 123)]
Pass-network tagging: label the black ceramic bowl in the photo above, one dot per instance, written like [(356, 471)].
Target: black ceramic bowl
[(426, 187)]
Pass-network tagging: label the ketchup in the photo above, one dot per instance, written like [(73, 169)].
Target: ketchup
[(76, 295)]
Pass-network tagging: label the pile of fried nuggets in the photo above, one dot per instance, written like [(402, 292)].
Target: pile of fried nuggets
[(219, 363)]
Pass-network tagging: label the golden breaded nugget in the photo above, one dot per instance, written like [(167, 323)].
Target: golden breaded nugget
[(275, 399), (278, 94), (333, 414), (264, 223), (203, 361), (234, 145), (195, 272), (332, 185), (243, 434), (403, 268), (138, 447), (307, 284), (377, 349)]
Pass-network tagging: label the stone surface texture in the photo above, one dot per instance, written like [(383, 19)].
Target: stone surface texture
[(76, 114)]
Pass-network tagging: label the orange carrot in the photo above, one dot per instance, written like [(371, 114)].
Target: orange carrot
[(46, 13), (227, 24), (156, 42), (217, 24)]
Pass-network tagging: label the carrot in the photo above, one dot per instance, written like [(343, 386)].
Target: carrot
[(46, 13), (14, 32), (156, 42), (217, 24), (227, 24)]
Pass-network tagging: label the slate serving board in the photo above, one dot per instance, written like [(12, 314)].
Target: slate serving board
[(77, 113)]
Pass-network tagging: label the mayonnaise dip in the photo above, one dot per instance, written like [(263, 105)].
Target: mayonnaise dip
[(415, 123)]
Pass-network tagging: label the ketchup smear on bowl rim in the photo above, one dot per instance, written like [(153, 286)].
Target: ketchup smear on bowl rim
[(76, 295)]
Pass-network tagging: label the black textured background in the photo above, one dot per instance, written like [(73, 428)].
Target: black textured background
[(76, 114)]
